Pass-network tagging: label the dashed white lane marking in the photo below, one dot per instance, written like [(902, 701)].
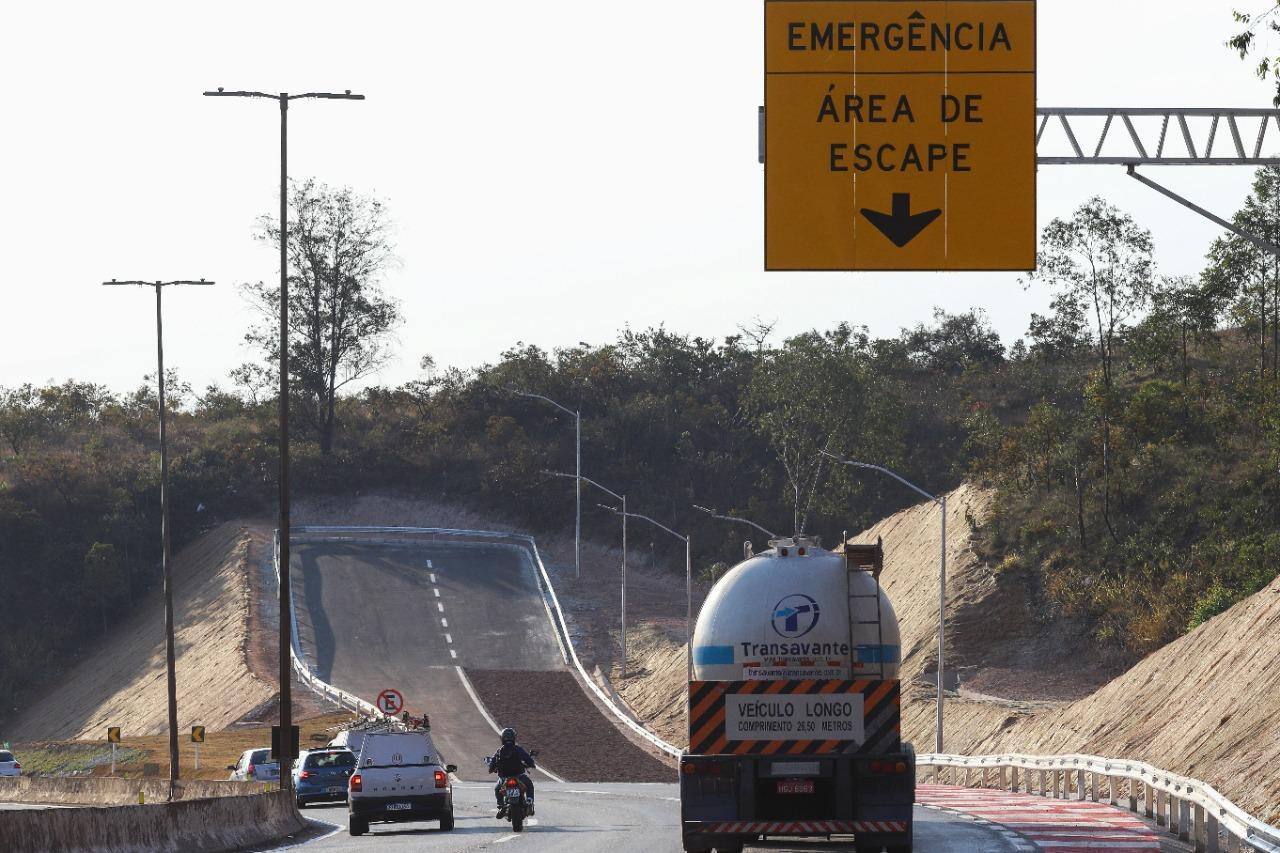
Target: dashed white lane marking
[(453, 654), (444, 623), (440, 604), (506, 838), (436, 591), (433, 577), (448, 639), (429, 566)]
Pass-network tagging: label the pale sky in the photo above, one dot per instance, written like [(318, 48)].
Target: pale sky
[(557, 170)]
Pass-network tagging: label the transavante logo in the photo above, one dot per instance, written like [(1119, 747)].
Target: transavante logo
[(795, 616)]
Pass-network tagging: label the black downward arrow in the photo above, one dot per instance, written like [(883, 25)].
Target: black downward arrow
[(902, 226)]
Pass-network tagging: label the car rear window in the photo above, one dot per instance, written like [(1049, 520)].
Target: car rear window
[(407, 749), (6, 756), (261, 756), (319, 760)]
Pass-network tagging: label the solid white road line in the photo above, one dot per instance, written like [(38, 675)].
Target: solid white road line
[(506, 838)]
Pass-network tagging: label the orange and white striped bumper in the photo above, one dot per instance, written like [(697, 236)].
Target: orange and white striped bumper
[(797, 827)]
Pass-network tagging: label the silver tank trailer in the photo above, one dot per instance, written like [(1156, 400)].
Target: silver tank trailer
[(796, 611)]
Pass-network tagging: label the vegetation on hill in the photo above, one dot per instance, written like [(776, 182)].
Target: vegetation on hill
[(1133, 437)]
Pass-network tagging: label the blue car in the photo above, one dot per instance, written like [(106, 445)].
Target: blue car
[(320, 775)]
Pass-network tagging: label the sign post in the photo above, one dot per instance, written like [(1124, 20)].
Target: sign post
[(900, 135), (197, 738), (113, 737), (390, 702)]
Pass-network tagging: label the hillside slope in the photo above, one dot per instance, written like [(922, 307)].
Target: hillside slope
[(122, 681), (1207, 705)]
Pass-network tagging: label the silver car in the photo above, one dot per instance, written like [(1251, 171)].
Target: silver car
[(9, 765), (255, 765)]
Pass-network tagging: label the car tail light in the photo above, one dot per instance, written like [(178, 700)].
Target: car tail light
[(357, 784), (17, 766), (442, 779), (305, 774), (512, 783)]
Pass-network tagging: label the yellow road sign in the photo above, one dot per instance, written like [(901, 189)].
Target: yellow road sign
[(113, 734), (899, 135), (197, 734)]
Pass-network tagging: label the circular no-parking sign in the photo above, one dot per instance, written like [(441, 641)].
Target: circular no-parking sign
[(390, 701)]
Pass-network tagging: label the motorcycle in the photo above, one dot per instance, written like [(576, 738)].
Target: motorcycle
[(516, 798)]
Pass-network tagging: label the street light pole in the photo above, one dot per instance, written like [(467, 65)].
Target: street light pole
[(577, 468), (166, 568), (688, 578), (286, 622), (942, 575), (737, 520), (623, 498)]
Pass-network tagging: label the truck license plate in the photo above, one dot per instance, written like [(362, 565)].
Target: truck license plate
[(795, 786), (398, 807)]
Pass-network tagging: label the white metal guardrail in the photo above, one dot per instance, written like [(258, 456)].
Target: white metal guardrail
[(318, 685), (1188, 808), (520, 541)]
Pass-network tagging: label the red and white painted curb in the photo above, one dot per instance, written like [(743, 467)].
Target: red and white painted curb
[(1055, 826)]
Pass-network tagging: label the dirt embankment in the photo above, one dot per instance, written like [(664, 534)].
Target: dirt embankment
[(122, 682)]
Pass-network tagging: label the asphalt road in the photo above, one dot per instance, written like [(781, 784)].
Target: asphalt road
[(376, 616), (589, 818)]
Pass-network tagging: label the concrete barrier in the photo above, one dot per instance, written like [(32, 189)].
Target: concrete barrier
[(91, 791), (186, 826)]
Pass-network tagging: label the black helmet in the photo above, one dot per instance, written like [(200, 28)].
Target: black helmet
[(508, 735)]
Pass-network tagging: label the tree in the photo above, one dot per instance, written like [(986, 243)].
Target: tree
[(1247, 275), (104, 580), (1101, 260), (1182, 313), (340, 321), (19, 416), (1244, 42)]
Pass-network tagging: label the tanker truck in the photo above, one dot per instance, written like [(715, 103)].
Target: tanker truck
[(794, 714)]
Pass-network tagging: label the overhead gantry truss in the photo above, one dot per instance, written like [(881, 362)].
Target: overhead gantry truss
[(1176, 136)]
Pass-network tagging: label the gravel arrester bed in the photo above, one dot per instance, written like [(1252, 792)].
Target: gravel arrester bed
[(574, 738)]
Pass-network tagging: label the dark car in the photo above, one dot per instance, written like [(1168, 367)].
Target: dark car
[(321, 775)]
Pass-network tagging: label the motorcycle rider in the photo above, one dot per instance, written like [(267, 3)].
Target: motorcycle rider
[(511, 759)]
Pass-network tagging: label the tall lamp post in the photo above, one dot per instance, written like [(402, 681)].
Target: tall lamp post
[(736, 520), (941, 501), (286, 623), (688, 580), (166, 568), (623, 498), (577, 473)]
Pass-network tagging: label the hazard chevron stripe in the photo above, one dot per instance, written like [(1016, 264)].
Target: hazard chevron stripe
[(800, 827), (882, 717)]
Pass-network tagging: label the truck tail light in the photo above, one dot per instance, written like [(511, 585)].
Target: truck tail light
[(357, 784), (887, 767), (442, 779)]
